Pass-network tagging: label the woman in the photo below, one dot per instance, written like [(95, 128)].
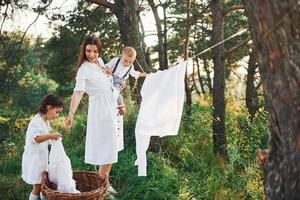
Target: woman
[(100, 147)]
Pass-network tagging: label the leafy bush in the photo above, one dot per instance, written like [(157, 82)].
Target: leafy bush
[(31, 88), (245, 137)]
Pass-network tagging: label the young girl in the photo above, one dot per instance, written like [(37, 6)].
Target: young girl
[(38, 135)]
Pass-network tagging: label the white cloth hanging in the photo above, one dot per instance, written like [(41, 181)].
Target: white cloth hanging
[(160, 111), (60, 170)]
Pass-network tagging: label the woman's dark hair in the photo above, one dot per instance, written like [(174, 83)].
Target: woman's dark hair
[(49, 100), (92, 40)]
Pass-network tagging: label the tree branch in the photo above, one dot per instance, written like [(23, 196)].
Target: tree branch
[(258, 85), (103, 3), (140, 7), (34, 21), (88, 20), (194, 18), (200, 15), (176, 17), (4, 17), (232, 49), (232, 8)]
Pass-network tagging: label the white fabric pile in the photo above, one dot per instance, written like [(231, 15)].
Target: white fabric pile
[(60, 170)]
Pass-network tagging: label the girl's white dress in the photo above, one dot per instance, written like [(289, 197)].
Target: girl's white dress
[(101, 137), (35, 156)]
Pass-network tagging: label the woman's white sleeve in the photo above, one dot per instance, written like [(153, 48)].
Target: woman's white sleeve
[(80, 79), (100, 61)]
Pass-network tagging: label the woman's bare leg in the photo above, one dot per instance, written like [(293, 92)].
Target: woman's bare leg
[(105, 169)]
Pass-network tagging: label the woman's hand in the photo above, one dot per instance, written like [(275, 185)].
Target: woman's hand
[(75, 100), (69, 123), (108, 70), (143, 74), (122, 109), (55, 135), (122, 86)]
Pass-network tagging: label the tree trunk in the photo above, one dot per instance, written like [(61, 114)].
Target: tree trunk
[(144, 46), (275, 29), (199, 76), (218, 124), (194, 81), (208, 82), (251, 93), (160, 37), (188, 91), (165, 34)]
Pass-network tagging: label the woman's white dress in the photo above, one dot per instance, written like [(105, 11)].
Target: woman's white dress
[(101, 137), (35, 156)]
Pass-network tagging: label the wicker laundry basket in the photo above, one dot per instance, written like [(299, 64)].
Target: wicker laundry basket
[(91, 185)]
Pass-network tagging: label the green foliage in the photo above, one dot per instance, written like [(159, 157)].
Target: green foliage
[(184, 168), (161, 183), (62, 52), (187, 160), (4, 127), (15, 60), (13, 188), (12, 124), (31, 88), (245, 136), (22, 76)]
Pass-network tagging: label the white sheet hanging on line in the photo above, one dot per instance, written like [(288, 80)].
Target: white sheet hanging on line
[(60, 170), (160, 111)]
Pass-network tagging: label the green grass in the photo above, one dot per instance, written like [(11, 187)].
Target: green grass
[(183, 167)]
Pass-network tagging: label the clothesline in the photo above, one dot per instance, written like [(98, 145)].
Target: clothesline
[(207, 49), (240, 32)]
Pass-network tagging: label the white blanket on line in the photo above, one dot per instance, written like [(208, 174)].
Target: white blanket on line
[(160, 111)]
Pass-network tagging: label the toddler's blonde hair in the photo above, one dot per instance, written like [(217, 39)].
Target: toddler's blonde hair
[(129, 51)]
